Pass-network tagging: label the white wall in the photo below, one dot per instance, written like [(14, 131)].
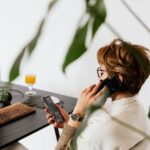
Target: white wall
[(19, 20)]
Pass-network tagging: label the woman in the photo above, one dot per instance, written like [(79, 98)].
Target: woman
[(130, 64)]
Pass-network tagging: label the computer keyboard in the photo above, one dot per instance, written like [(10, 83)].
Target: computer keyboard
[(13, 112)]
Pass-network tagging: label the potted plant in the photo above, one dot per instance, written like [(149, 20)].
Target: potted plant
[(5, 97)]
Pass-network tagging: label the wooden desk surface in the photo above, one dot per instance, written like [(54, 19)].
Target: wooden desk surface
[(25, 126)]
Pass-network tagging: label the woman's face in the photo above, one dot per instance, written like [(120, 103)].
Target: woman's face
[(102, 72)]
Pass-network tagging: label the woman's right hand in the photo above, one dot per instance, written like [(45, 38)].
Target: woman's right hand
[(87, 97), (51, 120)]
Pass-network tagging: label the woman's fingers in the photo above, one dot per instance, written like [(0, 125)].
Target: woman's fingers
[(51, 120), (48, 115), (100, 92), (88, 88), (58, 125), (58, 107), (47, 111), (97, 95), (63, 113), (96, 87)]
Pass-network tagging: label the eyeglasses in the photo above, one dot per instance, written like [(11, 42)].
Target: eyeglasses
[(100, 72)]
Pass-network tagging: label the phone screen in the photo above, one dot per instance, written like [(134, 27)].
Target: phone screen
[(51, 106)]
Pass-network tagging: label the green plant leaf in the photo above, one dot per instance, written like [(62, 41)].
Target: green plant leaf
[(149, 113), (77, 47), (15, 69), (30, 46), (98, 14), (51, 4)]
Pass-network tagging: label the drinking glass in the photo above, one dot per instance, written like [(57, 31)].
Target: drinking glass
[(30, 80)]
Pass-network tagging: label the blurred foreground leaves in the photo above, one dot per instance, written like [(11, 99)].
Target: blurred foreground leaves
[(95, 13), (29, 47)]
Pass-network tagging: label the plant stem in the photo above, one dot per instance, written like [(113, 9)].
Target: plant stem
[(136, 16)]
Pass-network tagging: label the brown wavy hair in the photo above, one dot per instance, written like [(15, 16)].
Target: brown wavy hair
[(131, 61)]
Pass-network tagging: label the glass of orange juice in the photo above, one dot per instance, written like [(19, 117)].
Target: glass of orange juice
[(30, 80)]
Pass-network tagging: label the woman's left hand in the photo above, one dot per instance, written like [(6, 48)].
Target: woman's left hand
[(87, 97)]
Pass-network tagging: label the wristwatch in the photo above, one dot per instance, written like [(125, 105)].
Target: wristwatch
[(76, 117)]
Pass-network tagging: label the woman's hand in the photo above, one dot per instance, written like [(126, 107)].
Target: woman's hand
[(51, 120), (87, 97)]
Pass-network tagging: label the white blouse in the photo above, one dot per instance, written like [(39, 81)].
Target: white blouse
[(104, 133)]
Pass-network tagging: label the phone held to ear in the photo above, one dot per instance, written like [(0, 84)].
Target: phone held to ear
[(113, 84), (52, 108)]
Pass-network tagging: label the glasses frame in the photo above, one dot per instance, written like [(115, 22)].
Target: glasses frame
[(100, 72)]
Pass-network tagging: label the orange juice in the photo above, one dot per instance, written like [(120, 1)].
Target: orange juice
[(30, 79)]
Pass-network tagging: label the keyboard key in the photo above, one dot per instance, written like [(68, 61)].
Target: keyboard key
[(14, 111)]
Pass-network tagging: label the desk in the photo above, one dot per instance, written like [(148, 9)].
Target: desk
[(25, 126)]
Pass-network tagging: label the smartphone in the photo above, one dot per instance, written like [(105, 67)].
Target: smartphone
[(113, 84), (52, 107)]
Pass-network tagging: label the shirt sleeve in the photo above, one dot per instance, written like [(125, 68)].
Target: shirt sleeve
[(66, 138)]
